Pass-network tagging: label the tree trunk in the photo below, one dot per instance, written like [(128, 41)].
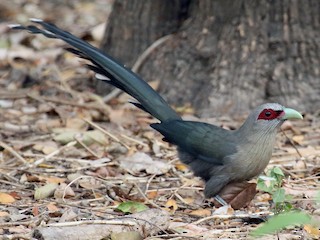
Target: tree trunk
[(231, 56), (135, 25)]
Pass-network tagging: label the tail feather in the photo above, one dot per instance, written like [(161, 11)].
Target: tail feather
[(120, 77)]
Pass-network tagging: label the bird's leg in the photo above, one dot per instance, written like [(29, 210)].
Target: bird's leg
[(220, 200), (215, 184)]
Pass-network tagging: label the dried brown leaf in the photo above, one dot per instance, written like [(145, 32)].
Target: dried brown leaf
[(121, 117), (298, 139), (68, 215), (142, 162), (63, 190), (76, 124), (52, 207), (46, 147), (201, 212), (6, 198), (152, 194), (89, 183), (4, 214), (171, 205), (48, 124), (313, 231), (52, 179), (238, 195)]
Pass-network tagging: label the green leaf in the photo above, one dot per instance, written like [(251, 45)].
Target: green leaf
[(131, 207), (287, 207), (289, 198), (281, 221), (278, 171), (279, 195), (261, 185)]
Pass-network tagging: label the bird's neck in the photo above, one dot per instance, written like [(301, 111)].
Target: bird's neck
[(255, 149), (257, 137)]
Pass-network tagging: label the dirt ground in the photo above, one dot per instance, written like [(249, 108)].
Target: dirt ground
[(68, 159)]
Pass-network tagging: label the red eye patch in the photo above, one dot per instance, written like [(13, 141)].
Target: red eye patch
[(269, 114)]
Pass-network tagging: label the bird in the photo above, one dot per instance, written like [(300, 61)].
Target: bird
[(217, 155)]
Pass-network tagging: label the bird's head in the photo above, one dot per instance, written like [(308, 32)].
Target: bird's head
[(269, 117)]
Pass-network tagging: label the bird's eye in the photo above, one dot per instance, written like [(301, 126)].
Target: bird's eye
[(269, 114)]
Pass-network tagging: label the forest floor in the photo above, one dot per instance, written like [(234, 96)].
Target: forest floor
[(72, 165)]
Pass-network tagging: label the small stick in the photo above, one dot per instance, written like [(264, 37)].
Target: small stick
[(232, 216), (41, 160), (292, 143), (77, 138), (145, 197), (105, 132), (13, 152), (134, 140)]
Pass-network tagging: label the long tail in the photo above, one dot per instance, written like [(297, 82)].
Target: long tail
[(117, 75)]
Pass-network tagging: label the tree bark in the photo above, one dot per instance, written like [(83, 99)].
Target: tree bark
[(135, 25), (231, 56)]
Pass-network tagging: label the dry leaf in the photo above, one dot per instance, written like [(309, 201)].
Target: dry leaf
[(45, 191), (300, 165), (89, 137), (76, 123), (130, 235), (48, 124), (33, 178), (312, 230), (97, 136), (4, 214), (46, 147), (97, 32), (156, 147), (89, 183), (142, 162), (189, 200), (35, 210), (73, 176), (6, 198), (52, 207), (201, 212), (53, 179), (152, 194), (63, 190), (298, 139), (238, 195), (171, 205), (120, 117), (15, 195), (224, 210), (68, 215)]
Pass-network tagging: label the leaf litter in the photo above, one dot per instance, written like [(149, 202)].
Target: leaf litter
[(66, 156)]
